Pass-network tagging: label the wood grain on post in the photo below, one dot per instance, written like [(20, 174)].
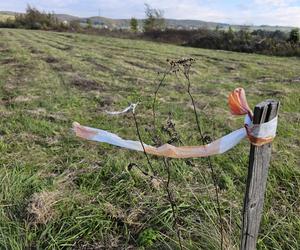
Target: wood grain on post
[(257, 178)]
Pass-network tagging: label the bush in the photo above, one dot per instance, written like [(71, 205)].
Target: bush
[(294, 36), (258, 41)]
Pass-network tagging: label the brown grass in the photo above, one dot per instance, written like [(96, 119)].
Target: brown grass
[(40, 209)]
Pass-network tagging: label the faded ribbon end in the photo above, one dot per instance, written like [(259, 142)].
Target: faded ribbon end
[(237, 102), (83, 132)]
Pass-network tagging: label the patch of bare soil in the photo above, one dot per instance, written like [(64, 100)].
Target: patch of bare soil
[(5, 114), (291, 117), (98, 65), (66, 35), (63, 67), (67, 47), (23, 98), (15, 81), (111, 242), (140, 65), (230, 68), (4, 50), (85, 84), (283, 80), (60, 47), (106, 101), (179, 86), (42, 113), (297, 79), (9, 61), (51, 59), (136, 80), (18, 99), (34, 50), (265, 79), (5, 100)]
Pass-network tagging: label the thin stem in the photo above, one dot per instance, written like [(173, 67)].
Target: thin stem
[(140, 139), (131, 165), (195, 110), (167, 167), (171, 201), (213, 174), (167, 71)]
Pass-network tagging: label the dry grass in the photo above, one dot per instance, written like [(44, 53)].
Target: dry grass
[(41, 207)]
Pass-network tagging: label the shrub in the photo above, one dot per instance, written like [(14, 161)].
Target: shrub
[(133, 24), (294, 36)]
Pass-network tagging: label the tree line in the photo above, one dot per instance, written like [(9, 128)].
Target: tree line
[(277, 43)]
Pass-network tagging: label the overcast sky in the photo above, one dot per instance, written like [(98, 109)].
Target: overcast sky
[(272, 12)]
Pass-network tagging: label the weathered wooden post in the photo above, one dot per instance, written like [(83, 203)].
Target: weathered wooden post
[(257, 178)]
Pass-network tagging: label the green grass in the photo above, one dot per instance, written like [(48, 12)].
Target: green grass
[(59, 192)]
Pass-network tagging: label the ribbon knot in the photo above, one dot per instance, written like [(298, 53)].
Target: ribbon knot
[(258, 134)]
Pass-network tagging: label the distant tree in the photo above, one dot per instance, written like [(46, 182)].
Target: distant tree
[(294, 35), (218, 27), (245, 34), (133, 24), (74, 25), (154, 19), (230, 34), (89, 23), (279, 35)]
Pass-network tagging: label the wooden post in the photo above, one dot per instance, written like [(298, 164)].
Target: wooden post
[(257, 178)]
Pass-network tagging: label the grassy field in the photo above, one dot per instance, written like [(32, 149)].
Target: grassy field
[(4, 17), (60, 192)]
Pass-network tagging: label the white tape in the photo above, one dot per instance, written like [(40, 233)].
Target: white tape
[(131, 107), (258, 134)]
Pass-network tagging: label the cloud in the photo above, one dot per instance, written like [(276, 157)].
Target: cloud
[(277, 3), (53, 4), (283, 16), (287, 16), (189, 9)]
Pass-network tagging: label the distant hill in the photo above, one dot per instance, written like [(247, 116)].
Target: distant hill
[(171, 23), (8, 13), (66, 17)]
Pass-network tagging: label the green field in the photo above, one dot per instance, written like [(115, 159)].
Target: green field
[(4, 17), (60, 192)]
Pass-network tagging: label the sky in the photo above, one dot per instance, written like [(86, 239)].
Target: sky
[(249, 12)]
